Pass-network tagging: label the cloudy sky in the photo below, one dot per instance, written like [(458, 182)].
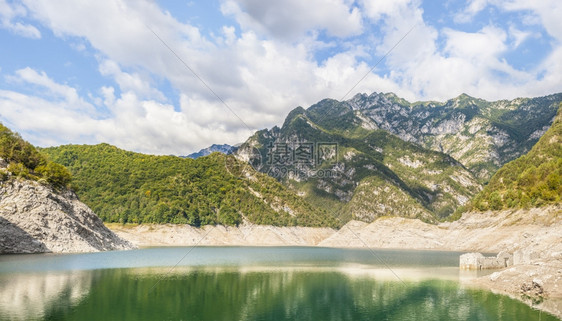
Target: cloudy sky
[(171, 77)]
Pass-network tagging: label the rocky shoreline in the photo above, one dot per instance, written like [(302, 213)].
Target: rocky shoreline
[(538, 284)]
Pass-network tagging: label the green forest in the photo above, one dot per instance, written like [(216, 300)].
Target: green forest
[(532, 180), (25, 161), (128, 187)]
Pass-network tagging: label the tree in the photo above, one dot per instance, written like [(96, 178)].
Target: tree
[(495, 201), (55, 174)]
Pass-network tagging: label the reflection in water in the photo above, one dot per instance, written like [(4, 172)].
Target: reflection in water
[(32, 296), (251, 294), (229, 283)]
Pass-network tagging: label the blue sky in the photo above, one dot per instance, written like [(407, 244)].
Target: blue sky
[(86, 72)]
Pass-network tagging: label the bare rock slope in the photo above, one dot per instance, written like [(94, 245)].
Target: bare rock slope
[(34, 219), (244, 235), (537, 231)]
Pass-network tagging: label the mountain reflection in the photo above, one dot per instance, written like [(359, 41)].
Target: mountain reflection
[(30, 296), (236, 294)]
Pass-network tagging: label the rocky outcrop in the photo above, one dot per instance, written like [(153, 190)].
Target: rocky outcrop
[(34, 218), (538, 284)]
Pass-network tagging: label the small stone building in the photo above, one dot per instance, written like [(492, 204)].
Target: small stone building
[(477, 261)]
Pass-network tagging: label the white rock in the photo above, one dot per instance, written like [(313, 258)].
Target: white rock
[(34, 218), (494, 276), (539, 282)]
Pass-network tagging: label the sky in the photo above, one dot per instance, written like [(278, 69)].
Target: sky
[(172, 77)]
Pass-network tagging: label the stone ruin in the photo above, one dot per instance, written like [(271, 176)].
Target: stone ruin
[(477, 261)]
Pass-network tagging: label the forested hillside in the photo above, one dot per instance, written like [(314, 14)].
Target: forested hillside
[(23, 160), (122, 186)]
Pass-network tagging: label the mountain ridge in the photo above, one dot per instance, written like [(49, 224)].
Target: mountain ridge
[(506, 129), (365, 161), (487, 134)]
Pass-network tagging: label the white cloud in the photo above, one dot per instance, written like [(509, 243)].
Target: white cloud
[(473, 8), (48, 88), (261, 79), (547, 75), (130, 81), (11, 12), (469, 62), (376, 10), (477, 47), (549, 12), (518, 36), (133, 123), (292, 19)]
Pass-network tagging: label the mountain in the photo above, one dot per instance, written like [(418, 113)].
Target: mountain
[(225, 149), (482, 135), (38, 212), (122, 186), (532, 180), (392, 157), (357, 173)]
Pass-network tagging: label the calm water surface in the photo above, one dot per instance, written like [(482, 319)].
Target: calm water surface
[(247, 283)]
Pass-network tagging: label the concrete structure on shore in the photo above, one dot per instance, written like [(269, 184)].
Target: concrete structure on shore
[(477, 261)]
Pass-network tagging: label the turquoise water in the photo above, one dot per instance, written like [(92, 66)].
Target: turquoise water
[(247, 283)]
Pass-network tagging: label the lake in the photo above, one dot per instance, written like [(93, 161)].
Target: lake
[(247, 283)]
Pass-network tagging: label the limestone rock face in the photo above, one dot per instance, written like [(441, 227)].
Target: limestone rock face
[(34, 218)]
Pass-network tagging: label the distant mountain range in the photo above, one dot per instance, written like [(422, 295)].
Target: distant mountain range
[(224, 148)]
